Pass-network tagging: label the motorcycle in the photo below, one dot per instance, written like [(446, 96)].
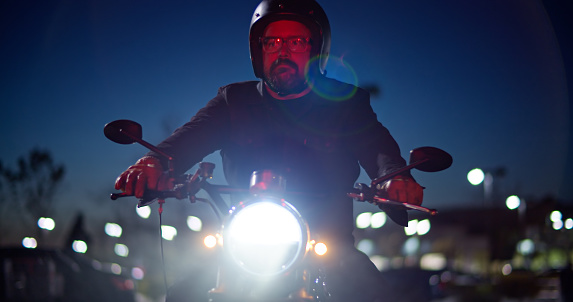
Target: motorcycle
[(268, 252)]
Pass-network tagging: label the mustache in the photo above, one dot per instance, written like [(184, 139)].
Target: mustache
[(282, 61)]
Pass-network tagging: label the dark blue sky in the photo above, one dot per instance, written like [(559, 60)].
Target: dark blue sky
[(483, 80)]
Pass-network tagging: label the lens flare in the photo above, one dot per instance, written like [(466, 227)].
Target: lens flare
[(339, 70)]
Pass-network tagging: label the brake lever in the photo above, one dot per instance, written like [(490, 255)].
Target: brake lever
[(365, 193), (380, 200)]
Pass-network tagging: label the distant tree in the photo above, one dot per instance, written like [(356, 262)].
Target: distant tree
[(31, 187), (374, 89)]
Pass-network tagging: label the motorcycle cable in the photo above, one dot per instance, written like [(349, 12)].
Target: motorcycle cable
[(160, 210)]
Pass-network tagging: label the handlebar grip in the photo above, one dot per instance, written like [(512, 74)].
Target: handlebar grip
[(148, 197), (115, 196)]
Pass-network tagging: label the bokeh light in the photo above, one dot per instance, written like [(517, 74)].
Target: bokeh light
[(506, 269), (363, 220), (568, 223), (143, 212), (116, 268), (210, 241), (46, 223), (29, 242), (378, 220), (555, 216), (476, 176), (423, 227), (168, 232), (137, 273), (113, 229), (412, 227), (380, 262), (557, 225), (80, 246), (194, 223), (367, 246), (433, 261), (121, 250), (411, 246), (526, 247), (320, 249), (512, 202)]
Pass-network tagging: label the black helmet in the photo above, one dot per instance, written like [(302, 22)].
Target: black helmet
[(307, 12)]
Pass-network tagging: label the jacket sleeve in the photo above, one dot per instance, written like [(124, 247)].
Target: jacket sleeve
[(206, 132), (373, 145)]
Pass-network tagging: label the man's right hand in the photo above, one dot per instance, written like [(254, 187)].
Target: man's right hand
[(146, 173)]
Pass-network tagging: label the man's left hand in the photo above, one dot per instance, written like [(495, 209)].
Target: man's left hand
[(403, 189)]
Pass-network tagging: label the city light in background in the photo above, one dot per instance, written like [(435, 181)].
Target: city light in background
[(433, 261), (137, 273), (194, 223), (569, 223), (121, 250), (476, 176), (421, 227), (513, 202), (143, 212), (80, 246), (526, 247), (29, 242), (369, 219), (367, 246), (116, 268), (556, 218), (113, 229), (46, 223), (378, 220), (168, 232), (413, 248)]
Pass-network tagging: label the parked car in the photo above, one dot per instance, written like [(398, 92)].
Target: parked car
[(54, 275)]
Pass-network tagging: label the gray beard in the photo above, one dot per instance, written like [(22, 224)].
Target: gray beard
[(281, 88), (293, 85)]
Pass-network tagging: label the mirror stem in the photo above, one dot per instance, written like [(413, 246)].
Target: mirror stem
[(397, 172), (147, 145), (154, 149)]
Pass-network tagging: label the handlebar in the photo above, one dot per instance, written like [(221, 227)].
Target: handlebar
[(189, 185), (365, 193)]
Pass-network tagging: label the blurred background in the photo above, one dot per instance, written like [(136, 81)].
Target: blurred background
[(486, 81)]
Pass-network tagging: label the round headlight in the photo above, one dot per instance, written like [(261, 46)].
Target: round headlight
[(266, 237)]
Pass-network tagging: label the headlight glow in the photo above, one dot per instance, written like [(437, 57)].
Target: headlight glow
[(266, 238)]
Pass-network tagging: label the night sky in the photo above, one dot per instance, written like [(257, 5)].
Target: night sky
[(483, 80)]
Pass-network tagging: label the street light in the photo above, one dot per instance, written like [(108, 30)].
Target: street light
[(113, 229), (143, 212), (194, 223), (512, 202), (46, 223), (476, 176), (29, 242)]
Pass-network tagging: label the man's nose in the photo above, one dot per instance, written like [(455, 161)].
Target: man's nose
[(283, 50)]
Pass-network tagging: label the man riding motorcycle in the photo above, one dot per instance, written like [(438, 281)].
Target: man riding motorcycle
[(314, 131)]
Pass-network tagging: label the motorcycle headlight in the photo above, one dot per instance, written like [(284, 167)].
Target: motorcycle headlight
[(265, 238)]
